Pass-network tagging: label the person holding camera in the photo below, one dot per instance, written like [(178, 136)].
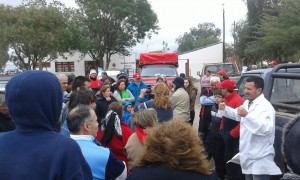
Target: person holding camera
[(161, 102)]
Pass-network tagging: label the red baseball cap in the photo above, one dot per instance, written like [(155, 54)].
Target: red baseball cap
[(223, 73), (227, 84), (274, 63), (137, 76)]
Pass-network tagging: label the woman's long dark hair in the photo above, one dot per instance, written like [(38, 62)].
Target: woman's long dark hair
[(110, 127), (118, 84)]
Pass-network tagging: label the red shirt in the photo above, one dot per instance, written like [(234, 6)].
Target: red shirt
[(95, 83), (117, 145), (233, 101)]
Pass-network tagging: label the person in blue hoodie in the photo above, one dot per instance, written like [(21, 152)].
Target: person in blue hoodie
[(34, 150), (127, 112)]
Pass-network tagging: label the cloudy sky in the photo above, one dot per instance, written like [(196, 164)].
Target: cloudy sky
[(177, 16)]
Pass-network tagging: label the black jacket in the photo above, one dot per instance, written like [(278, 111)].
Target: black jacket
[(102, 107)]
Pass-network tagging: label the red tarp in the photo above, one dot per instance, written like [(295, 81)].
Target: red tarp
[(158, 58)]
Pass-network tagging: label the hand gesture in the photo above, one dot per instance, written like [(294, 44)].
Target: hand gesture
[(143, 92), (242, 111)]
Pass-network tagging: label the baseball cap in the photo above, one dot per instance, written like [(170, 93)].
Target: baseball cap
[(274, 63), (137, 76), (121, 75), (223, 73), (227, 84), (93, 71)]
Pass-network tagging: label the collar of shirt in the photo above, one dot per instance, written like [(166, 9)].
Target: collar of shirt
[(82, 137)]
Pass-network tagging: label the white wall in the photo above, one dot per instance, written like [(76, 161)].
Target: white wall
[(211, 54), (79, 69)]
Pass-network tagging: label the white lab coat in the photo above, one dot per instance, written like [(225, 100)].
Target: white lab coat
[(257, 134)]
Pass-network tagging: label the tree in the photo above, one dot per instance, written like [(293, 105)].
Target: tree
[(113, 26), (36, 32), (249, 46), (204, 35), (282, 32)]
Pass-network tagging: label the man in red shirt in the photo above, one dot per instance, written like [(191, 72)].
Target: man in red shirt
[(230, 129), (95, 83)]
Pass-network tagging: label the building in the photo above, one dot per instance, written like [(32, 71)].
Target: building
[(81, 65), (199, 57)]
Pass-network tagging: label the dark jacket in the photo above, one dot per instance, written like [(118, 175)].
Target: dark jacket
[(102, 107), (163, 173), (6, 124), (34, 150), (162, 114)]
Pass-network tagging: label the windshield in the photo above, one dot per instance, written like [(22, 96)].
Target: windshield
[(151, 71), (218, 67), (285, 89)]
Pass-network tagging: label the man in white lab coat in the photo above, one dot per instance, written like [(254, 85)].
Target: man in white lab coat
[(257, 132)]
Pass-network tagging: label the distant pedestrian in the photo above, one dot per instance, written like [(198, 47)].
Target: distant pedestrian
[(95, 83), (205, 79), (192, 92), (206, 101), (180, 101), (104, 75), (257, 118), (103, 101), (222, 75), (136, 86), (34, 150), (122, 94)]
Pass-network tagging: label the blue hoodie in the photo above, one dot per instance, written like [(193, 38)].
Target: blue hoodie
[(34, 150), (126, 115)]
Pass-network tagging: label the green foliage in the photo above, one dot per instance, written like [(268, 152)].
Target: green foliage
[(249, 44), (112, 26), (37, 32), (282, 32), (204, 35)]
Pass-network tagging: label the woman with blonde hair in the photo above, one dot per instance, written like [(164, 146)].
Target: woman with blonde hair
[(174, 151), (135, 144), (161, 102)]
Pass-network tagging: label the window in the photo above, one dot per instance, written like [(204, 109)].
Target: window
[(152, 71), (64, 67)]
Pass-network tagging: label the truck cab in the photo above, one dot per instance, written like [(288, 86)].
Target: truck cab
[(282, 89), (153, 65), (231, 69)]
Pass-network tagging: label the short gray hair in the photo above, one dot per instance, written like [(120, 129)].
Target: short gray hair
[(215, 79), (60, 76), (77, 117)]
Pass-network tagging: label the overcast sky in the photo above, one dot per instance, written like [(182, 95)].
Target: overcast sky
[(177, 16)]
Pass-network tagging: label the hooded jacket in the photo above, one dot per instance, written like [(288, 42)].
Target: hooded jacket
[(34, 150)]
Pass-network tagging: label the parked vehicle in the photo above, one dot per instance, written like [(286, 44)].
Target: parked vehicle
[(230, 68), (282, 89), (153, 65)]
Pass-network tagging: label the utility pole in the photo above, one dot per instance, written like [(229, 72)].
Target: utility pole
[(224, 52)]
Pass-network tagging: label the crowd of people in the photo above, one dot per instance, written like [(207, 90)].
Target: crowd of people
[(52, 127)]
